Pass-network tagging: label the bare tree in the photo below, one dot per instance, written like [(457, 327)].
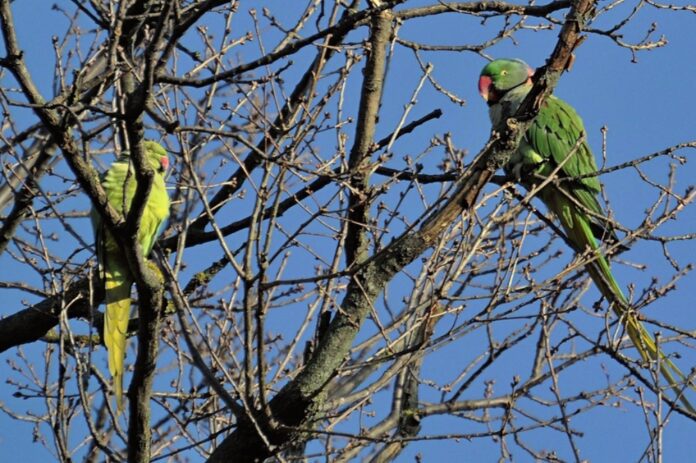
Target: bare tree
[(315, 273)]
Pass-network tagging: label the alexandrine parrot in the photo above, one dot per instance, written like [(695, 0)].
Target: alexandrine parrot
[(554, 143), (120, 184)]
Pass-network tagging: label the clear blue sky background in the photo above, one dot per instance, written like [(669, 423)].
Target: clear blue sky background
[(647, 106)]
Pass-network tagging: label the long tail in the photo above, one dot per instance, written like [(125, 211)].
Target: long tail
[(579, 230), (116, 327)]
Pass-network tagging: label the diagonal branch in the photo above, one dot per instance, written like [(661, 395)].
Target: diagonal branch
[(295, 403)]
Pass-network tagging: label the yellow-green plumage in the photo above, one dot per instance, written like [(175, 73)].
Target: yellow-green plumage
[(555, 143), (120, 184)]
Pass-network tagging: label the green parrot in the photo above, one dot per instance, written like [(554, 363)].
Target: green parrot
[(552, 144), (120, 184)]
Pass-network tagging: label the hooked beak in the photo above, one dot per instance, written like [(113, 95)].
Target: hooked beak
[(164, 162), (484, 85)]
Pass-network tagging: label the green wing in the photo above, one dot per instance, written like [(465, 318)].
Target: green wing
[(555, 133)]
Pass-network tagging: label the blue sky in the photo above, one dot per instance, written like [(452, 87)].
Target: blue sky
[(646, 106)]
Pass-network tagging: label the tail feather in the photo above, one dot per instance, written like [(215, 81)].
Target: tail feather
[(579, 230), (642, 340), (116, 327)]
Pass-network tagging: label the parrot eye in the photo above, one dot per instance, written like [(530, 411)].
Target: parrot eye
[(503, 72)]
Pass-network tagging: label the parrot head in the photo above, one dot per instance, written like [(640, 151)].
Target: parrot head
[(156, 156), (502, 75)]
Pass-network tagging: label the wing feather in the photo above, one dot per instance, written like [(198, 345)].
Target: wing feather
[(554, 134)]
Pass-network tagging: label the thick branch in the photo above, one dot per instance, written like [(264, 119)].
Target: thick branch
[(359, 160), (484, 7), (148, 279), (31, 324)]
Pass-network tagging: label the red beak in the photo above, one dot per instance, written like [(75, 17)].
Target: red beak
[(484, 85), (164, 162)]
